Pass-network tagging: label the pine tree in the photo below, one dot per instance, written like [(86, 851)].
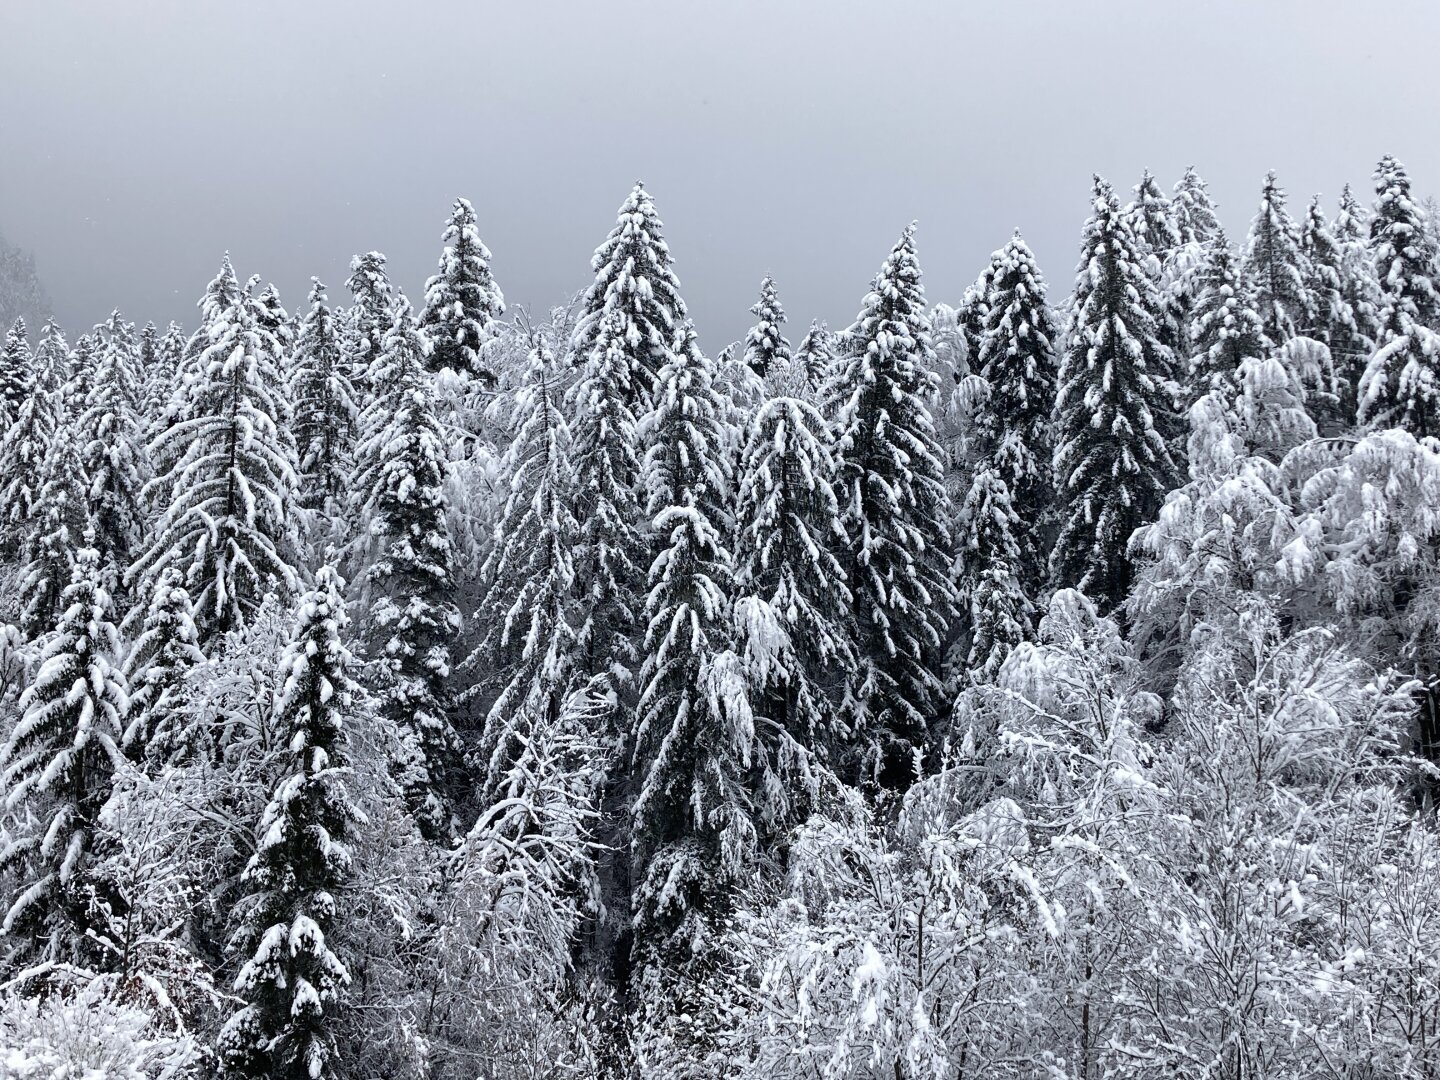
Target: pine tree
[(118, 358), (79, 376), (24, 452), (227, 473), (1195, 219), (634, 304), (52, 357), (368, 320), (896, 513), (59, 521), (1152, 221), (1227, 329), (1330, 318), (815, 354), (990, 589), (156, 667), (765, 345), (789, 551), (325, 411), (1112, 465), (691, 834), (56, 769), (1014, 431), (16, 374), (1276, 266), (462, 302), (291, 979), (273, 318), (413, 620), (1400, 387), (529, 608), (974, 309)]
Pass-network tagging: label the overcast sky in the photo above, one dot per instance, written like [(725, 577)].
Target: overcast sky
[(141, 139)]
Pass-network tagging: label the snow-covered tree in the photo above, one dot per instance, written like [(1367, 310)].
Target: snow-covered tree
[(52, 357), (991, 589), (1329, 316), (55, 769), (765, 345), (156, 668), (59, 520), (291, 979), (1195, 219), (325, 409), (1276, 266), (815, 353), (896, 513), (16, 372), (1112, 464), (412, 620), (226, 473), (1361, 291), (462, 301), (1152, 222), (1400, 387), (367, 321), (24, 453), (1227, 329)]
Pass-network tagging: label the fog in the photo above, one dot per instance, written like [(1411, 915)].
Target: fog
[(142, 140)]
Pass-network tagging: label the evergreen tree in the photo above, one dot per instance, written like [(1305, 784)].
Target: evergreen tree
[(815, 354), (16, 373), (765, 345), (1401, 385), (1330, 318), (273, 318), (325, 412), (1195, 220), (462, 302), (58, 525), (79, 376), (529, 608), (1275, 265), (117, 359), (974, 309), (369, 318), (1014, 431), (291, 979), (24, 453), (789, 551), (896, 513), (56, 770), (52, 357), (227, 472), (634, 304), (1152, 221), (156, 667), (1112, 465), (413, 620), (1361, 290), (990, 589), (1227, 329)]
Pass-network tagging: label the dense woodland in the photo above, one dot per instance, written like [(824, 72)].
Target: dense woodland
[(1040, 686)]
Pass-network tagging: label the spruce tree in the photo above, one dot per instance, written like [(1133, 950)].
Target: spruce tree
[(1113, 466), (368, 320), (291, 979), (765, 345), (815, 354), (990, 590), (117, 358), (226, 472), (16, 372), (896, 513), (790, 549), (1195, 220), (974, 309), (1014, 431), (691, 832), (325, 410), (529, 608), (156, 667), (56, 771), (1359, 286), (1152, 221), (59, 520), (1276, 266), (24, 453), (1330, 318), (634, 303), (52, 357), (79, 376), (462, 302), (1401, 385), (1227, 329), (413, 620)]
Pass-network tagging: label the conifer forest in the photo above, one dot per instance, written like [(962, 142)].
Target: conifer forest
[(1043, 684)]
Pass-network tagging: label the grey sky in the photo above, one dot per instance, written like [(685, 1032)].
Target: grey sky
[(142, 138)]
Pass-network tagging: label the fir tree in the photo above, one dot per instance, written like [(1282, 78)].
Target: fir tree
[(1400, 387), (789, 551), (1014, 431), (531, 572), (58, 524), (291, 979), (227, 473), (462, 302), (56, 769), (1113, 466), (1275, 265), (896, 512), (974, 309), (16, 374), (325, 411), (413, 620), (1195, 220), (118, 359), (52, 357), (79, 376), (815, 354), (1360, 288), (1227, 329), (990, 589), (1152, 221), (369, 318), (765, 345), (1330, 318), (270, 313), (156, 667), (24, 453)]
